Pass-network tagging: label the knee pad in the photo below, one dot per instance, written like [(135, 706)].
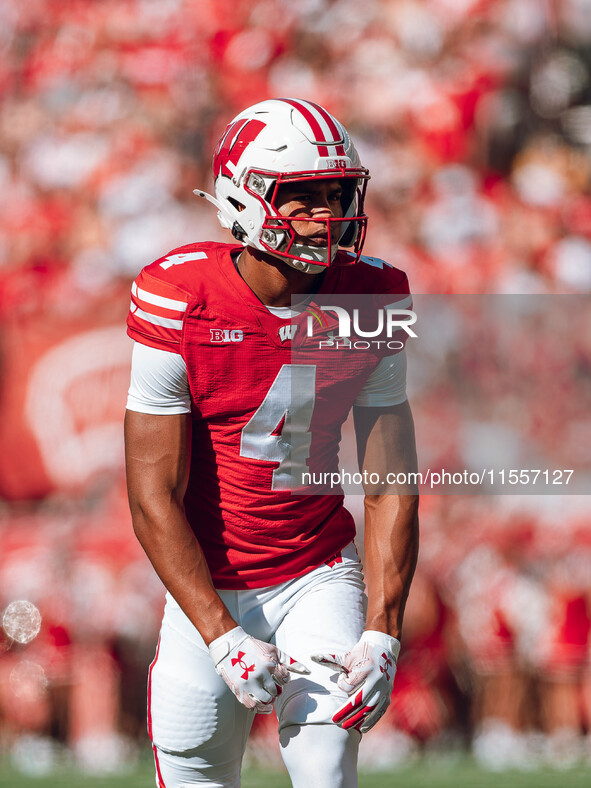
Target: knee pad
[(190, 708), (182, 716)]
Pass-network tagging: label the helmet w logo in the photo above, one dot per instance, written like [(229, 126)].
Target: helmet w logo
[(232, 145)]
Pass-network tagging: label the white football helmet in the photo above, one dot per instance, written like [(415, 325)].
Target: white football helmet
[(273, 143)]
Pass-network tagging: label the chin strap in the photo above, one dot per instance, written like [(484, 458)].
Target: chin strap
[(317, 256), (300, 265)]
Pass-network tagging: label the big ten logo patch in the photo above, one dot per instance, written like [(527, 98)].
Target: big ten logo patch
[(226, 335)]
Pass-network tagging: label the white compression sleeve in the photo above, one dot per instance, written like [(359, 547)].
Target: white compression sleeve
[(159, 383), (387, 383)]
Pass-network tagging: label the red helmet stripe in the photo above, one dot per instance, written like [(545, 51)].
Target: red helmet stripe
[(313, 123), (329, 120)]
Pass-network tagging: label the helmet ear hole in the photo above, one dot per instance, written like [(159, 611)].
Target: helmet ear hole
[(238, 205)]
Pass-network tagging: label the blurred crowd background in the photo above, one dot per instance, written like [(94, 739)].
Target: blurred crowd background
[(474, 117)]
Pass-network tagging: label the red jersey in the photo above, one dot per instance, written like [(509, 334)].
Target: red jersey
[(253, 380)]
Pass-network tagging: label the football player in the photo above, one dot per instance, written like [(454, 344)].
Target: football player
[(266, 601)]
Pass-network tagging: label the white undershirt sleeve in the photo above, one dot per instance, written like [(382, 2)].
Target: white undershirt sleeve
[(159, 383), (386, 385)]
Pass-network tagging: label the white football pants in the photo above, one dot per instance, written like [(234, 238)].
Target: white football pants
[(198, 728)]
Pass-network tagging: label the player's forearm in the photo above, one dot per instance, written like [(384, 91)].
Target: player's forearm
[(391, 550), (157, 450), (178, 559)]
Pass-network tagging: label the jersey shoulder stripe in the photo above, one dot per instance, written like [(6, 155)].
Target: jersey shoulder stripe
[(157, 300), (374, 262), (160, 296)]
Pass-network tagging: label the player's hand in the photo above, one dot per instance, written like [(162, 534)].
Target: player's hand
[(367, 675), (255, 671)]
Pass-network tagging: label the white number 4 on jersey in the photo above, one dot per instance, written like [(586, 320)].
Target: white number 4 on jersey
[(279, 430)]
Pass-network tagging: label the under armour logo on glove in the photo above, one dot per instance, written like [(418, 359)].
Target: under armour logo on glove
[(239, 660), (385, 663), (255, 671), (367, 675)]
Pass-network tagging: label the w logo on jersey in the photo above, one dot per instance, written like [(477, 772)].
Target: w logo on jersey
[(233, 144), (287, 332)]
